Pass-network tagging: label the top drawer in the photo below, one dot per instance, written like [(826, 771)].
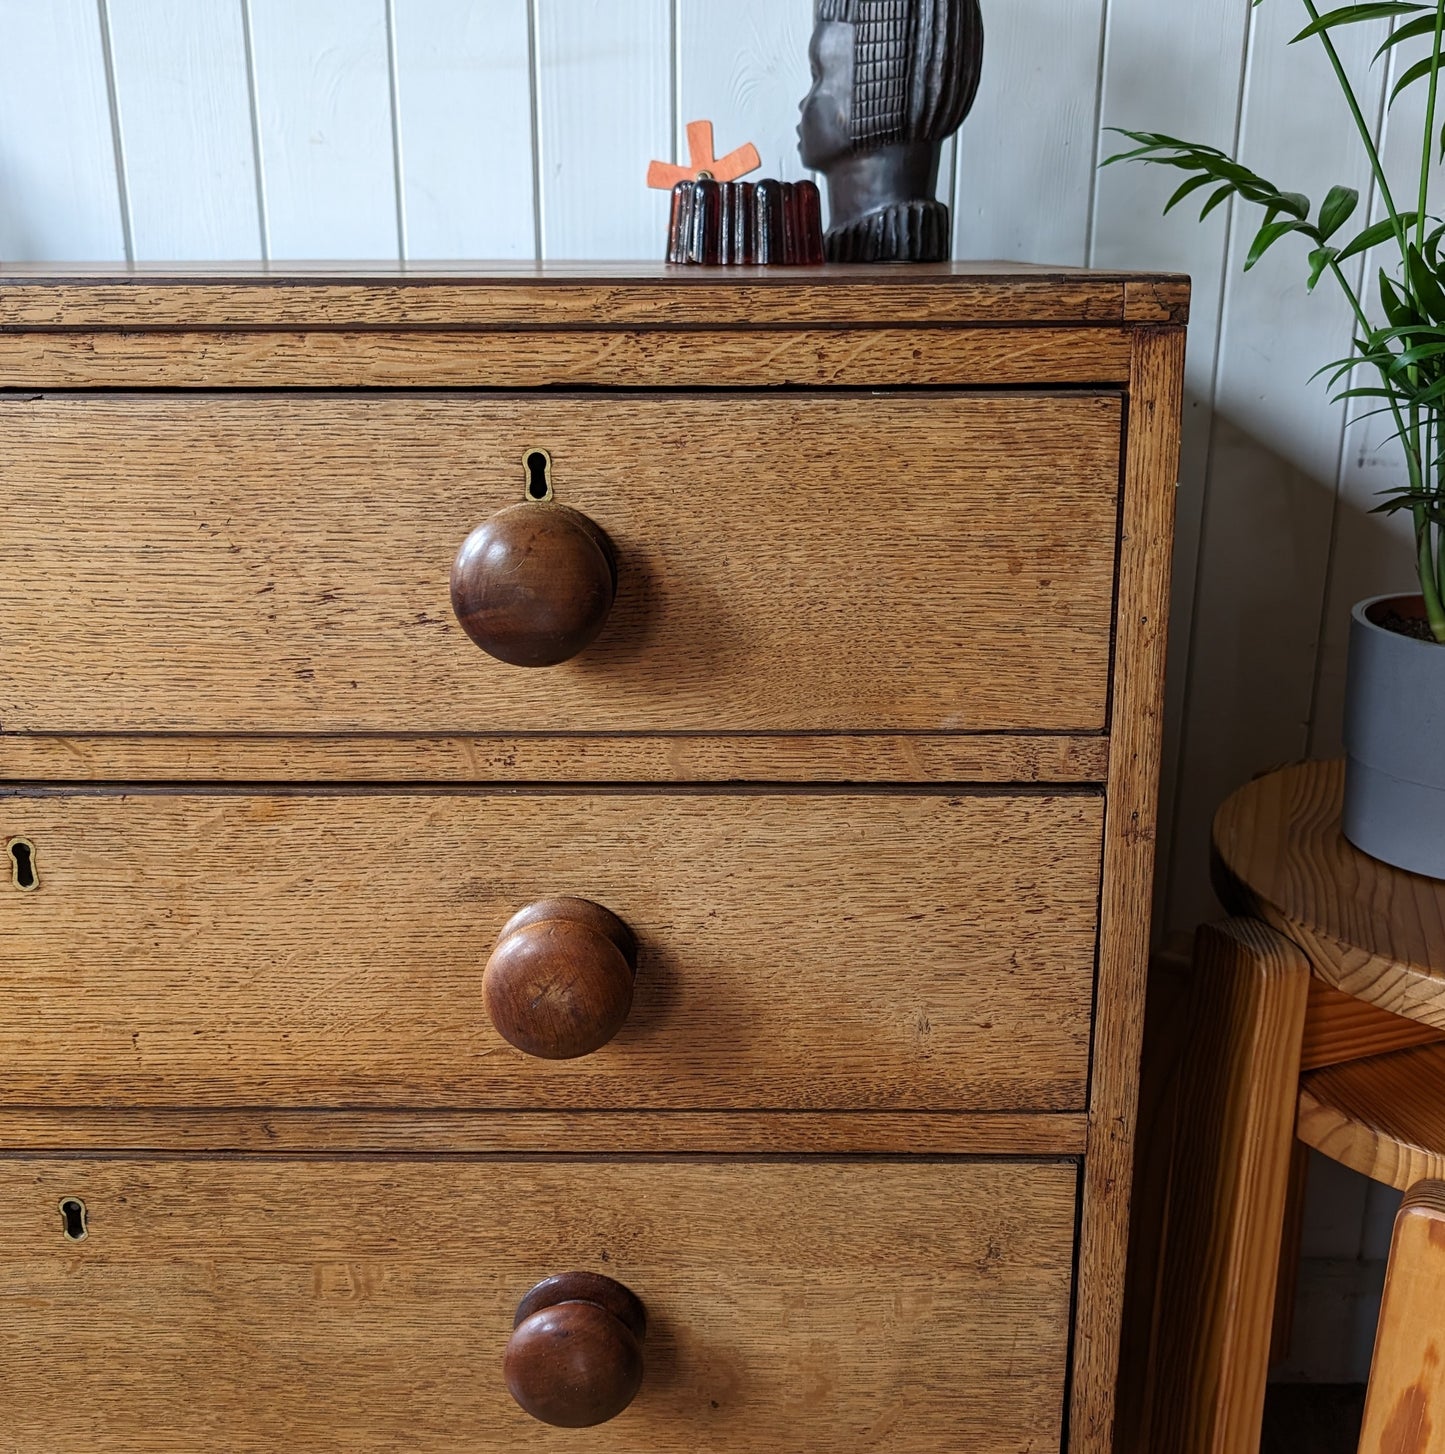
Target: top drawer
[(797, 563)]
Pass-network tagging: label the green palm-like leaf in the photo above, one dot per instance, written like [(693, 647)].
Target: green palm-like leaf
[(1375, 234), (1266, 238), (1357, 15), (1422, 29), (1337, 209), (1420, 71)]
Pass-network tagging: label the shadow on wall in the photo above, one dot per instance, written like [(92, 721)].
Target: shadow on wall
[(1282, 562)]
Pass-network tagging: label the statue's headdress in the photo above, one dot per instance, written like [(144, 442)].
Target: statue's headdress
[(917, 65)]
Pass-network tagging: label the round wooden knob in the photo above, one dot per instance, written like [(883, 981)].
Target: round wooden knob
[(535, 584), (574, 1359), (559, 982)]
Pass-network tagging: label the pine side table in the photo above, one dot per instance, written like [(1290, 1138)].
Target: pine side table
[(1317, 1019)]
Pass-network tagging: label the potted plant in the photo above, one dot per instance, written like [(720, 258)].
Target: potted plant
[(1395, 696)]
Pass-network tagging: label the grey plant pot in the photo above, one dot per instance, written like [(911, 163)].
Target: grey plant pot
[(1395, 738)]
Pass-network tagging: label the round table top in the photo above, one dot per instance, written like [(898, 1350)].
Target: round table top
[(1375, 932)]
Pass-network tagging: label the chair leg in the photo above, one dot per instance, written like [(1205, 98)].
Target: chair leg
[(1405, 1410), (1233, 1149)]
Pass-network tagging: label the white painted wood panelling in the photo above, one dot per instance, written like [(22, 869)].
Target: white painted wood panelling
[(59, 188), (1025, 179), (743, 64), (184, 112), (464, 106), (606, 108), (324, 118), (1275, 455)]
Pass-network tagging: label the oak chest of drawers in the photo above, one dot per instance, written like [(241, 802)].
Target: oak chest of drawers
[(830, 831)]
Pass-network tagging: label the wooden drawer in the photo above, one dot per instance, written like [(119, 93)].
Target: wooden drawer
[(798, 950), (914, 562), (352, 1306)]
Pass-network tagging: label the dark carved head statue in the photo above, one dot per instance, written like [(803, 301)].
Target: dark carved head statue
[(892, 81)]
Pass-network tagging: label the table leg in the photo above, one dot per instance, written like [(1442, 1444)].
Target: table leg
[(1405, 1411), (1231, 1173)]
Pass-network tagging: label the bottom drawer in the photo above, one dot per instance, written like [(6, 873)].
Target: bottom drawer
[(286, 1304)]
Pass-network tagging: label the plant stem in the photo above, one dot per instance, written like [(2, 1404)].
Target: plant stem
[(1366, 135)]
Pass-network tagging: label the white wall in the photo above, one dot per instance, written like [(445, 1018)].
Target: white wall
[(275, 129)]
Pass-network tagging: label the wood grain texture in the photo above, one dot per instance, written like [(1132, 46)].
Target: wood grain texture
[(1291, 1248), (1373, 931), (981, 758), (906, 358), (1166, 1032), (1228, 1190), (797, 951), (270, 1305), (281, 565), (1405, 1409), (1384, 1118), (537, 296), (184, 111), (573, 1132), (1339, 1029), (1150, 471)]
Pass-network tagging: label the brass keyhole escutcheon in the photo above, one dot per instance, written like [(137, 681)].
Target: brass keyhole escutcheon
[(539, 475), (73, 1219), (23, 873)]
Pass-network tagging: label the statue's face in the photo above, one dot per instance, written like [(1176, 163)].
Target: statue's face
[(825, 133)]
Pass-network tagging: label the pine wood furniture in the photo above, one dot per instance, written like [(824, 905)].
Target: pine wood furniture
[(1317, 1019), (768, 968)]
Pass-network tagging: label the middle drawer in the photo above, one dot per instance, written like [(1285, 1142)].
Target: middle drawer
[(796, 950)]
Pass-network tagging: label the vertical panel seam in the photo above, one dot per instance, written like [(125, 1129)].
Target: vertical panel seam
[(263, 222), (117, 141), (1092, 227), (397, 168), (1226, 290), (675, 100), (534, 80)]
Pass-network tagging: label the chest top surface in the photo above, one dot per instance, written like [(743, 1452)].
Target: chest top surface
[(49, 296)]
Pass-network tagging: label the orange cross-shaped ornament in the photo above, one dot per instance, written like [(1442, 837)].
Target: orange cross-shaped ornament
[(701, 161)]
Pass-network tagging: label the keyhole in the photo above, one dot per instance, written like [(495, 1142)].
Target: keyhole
[(539, 475), (22, 864), (72, 1216)]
